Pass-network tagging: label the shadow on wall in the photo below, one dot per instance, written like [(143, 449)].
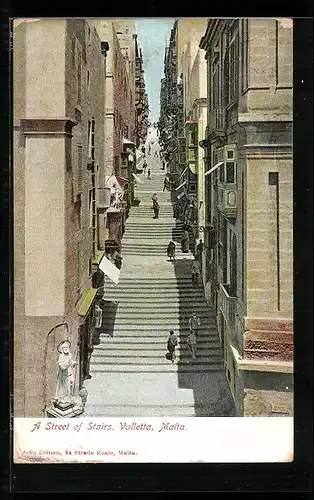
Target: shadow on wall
[(212, 395), (109, 312)]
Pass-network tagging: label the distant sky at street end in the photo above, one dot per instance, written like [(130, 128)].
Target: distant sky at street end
[(153, 35)]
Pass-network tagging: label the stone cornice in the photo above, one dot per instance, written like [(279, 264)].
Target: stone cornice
[(44, 126)]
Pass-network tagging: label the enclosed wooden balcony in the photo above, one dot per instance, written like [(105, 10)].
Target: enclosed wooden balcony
[(227, 199), (217, 121), (227, 305)]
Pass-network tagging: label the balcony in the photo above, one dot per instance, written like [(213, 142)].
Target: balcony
[(227, 199), (217, 121), (227, 305)]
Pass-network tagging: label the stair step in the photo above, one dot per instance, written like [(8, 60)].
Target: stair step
[(154, 342), (105, 410), (127, 346), (141, 354), (152, 360), (125, 330), (161, 368), (163, 309), (180, 292)]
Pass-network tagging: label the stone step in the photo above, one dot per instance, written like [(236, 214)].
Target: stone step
[(161, 330), (178, 411), (151, 360), (155, 314), (163, 308), (156, 343), (159, 279), (183, 352), (144, 288), (160, 368)]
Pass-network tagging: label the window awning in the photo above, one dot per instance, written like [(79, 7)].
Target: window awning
[(181, 185), (214, 168), (122, 180), (183, 172), (126, 141), (86, 302), (98, 256)]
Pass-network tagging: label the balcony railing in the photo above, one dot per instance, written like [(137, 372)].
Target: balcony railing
[(227, 199), (217, 120), (227, 305)]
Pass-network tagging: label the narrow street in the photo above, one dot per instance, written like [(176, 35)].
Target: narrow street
[(130, 374)]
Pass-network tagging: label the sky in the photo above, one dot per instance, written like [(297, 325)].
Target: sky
[(153, 34)]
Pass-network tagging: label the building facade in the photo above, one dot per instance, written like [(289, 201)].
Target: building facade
[(248, 186), (58, 170), (183, 118), (141, 98)]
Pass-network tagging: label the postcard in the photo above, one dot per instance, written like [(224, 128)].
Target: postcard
[(153, 240)]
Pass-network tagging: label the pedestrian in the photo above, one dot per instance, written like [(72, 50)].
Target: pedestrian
[(171, 251), (171, 345), (144, 166), (199, 250), (196, 272), (155, 198), (194, 323), (148, 173), (185, 241), (156, 209), (143, 150), (165, 184), (191, 341)]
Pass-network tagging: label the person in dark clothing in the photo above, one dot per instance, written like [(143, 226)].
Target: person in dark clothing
[(148, 173), (143, 150), (156, 209), (165, 184), (185, 241), (199, 250), (171, 345), (171, 251), (196, 272)]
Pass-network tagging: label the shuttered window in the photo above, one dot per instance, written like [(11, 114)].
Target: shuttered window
[(79, 168)]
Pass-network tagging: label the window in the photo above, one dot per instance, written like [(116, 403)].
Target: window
[(79, 77), (234, 65), (216, 78), (78, 265), (244, 54), (89, 140), (79, 168), (230, 172), (78, 214), (90, 207), (93, 140)]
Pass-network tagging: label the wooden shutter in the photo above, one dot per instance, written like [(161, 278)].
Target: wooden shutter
[(79, 168)]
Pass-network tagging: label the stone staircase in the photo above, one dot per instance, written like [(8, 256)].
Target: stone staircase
[(130, 373)]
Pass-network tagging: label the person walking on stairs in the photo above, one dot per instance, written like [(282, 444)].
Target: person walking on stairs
[(196, 272), (171, 251), (185, 241), (191, 341), (171, 345), (144, 166), (148, 173), (155, 205), (194, 323)]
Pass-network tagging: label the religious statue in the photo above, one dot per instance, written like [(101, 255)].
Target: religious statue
[(66, 375), (113, 195)]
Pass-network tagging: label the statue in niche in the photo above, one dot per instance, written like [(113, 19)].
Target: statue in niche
[(66, 375), (113, 195)]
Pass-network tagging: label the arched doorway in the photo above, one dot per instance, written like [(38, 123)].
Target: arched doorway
[(233, 267)]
